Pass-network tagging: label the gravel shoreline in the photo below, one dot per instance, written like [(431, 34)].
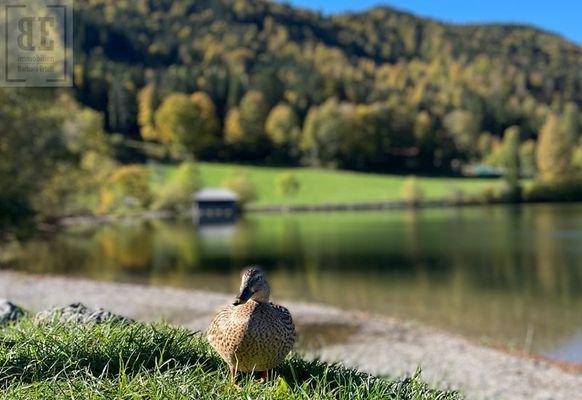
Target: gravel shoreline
[(380, 346)]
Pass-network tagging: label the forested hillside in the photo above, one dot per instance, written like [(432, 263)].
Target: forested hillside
[(259, 81), (262, 83)]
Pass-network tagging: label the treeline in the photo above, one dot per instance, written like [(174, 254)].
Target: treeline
[(264, 83), (236, 80)]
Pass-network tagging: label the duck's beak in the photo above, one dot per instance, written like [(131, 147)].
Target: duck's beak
[(243, 297)]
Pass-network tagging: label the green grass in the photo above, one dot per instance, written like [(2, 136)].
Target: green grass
[(323, 186), (138, 361)]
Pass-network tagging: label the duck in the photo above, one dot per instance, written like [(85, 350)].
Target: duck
[(252, 334)]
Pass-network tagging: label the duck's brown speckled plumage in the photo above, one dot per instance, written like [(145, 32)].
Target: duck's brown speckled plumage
[(254, 336)]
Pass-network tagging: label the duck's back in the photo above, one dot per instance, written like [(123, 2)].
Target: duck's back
[(253, 336)]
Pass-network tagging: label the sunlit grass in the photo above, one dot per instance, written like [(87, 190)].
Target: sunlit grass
[(324, 186), (137, 361)]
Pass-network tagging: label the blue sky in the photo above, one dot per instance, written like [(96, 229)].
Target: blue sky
[(559, 16)]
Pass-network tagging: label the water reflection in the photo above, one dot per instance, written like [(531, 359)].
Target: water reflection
[(493, 274)]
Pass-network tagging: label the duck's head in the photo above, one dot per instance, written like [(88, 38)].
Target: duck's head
[(253, 286)]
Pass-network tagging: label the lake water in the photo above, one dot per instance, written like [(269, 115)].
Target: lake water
[(500, 275)]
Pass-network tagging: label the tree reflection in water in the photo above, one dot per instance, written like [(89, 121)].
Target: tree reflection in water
[(492, 273)]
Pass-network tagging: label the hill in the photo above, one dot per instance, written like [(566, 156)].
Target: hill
[(420, 92)]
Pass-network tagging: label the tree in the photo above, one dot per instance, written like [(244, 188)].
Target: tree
[(527, 157), (424, 136), (242, 185), (463, 128), (412, 192), (511, 161), (282, 128), (554, 151), (176, 192), (322, 134), (189, 121), (232, 130), (31, 146), (253, 113), (174, 119), (147, 103), (207, 121), (571, 123), (121, 105)]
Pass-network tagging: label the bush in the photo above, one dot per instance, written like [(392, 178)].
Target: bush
[(65, 193), (176, 194), (242, 185), (73, 190), (287, 184), (565, 190), (510, 193), (128, 187), (488, 195), (457, 195), (412, 193)]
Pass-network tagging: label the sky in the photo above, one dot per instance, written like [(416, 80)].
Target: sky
[(558, 16)]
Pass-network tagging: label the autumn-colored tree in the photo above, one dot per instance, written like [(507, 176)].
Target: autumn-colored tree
[(207, 122), (424, 134), (174, 119), (240, 183), (147, 102), (325, 127), (189, 121), (282, 125), (463, 128), (253, 111), (282, 128), (554, 151), (232, 130), (511, 139)]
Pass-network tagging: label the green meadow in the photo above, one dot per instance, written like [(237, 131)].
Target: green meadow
[(318, 186)]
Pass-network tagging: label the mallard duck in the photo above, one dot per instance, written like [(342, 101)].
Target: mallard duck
[(252, 334)]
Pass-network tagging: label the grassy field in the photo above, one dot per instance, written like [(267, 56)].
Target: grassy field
[(323, 186), (137, 361)]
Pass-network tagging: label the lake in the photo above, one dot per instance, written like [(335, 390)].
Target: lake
[(509, 276)]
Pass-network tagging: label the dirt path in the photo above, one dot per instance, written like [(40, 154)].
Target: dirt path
[(379, 346)]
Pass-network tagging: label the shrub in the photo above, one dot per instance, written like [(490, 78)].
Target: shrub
[(127, 187), (488, 195), (412, 192), (457, 195), (242, 185), (65, 193), (564, 190), (509, 193), (176, 194), (72, 190), (287, 184)]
